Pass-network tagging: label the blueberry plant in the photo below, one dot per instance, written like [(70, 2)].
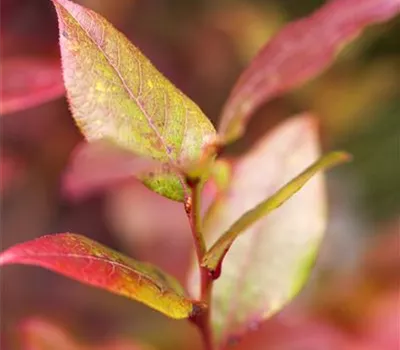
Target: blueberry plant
[(255, 243)]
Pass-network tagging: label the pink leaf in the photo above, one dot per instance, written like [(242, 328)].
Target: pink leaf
[(12, 170), (29, 82), (100, 164), (268, 263), (298, 53), (41, 334)]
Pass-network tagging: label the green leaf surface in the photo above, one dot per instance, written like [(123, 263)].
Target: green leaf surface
[(89, 262), (268, 263), (215, 255), (117, 94)]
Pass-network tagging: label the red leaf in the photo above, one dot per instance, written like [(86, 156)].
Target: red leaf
[(29, 82), (299, 52), (90, 262)]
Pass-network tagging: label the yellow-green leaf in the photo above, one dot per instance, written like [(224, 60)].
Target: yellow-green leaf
[(215, 255), (116, 93), (92, 263), (221, 173)]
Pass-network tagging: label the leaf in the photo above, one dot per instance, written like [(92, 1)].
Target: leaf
[(38, 334), (117, 94), (202, 167), (99, 164), (13, 169), (213, 259), (300, 51), (90, 262), (41, 334), (27, 82), (267, 264), (221, 174), (218, 182)]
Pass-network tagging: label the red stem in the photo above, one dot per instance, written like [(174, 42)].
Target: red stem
[(202, 321)]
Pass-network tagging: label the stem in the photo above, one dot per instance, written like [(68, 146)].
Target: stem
[(195, 220), (202, 321)]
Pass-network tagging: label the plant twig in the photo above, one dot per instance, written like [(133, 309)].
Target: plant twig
[(192, 207), (193, 211)]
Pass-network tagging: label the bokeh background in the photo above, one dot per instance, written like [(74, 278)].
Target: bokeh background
[(352, 300)]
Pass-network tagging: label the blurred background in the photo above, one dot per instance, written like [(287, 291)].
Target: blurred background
[(352, 300)]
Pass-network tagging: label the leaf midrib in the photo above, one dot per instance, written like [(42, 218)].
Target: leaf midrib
[(126, 87), (132, 96), (107, 261)]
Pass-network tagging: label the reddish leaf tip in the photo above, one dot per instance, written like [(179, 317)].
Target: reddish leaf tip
[(61, 2), (347, 157), (6, 258), (342, 157)]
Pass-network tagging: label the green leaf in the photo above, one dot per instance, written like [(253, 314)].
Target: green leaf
[(268, 263), (221, 173), (117, 94), (89, 262), (215, 255)]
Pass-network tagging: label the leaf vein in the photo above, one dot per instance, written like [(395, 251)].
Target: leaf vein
[(127, 89), (107, 261)]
